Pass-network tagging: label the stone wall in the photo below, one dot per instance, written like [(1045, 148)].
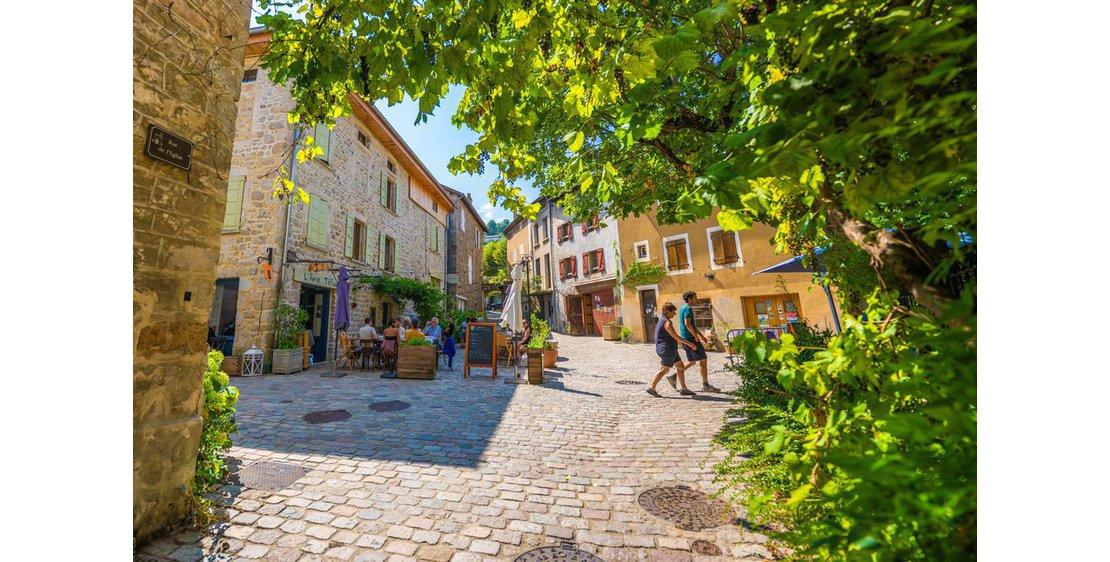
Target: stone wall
[(188, 62), (349, 182), (466, 251)]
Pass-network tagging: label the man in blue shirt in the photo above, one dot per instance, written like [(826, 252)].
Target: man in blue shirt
[(434, 331), (697, 355)]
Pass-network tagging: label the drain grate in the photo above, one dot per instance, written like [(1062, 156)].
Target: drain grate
[(389, 406), (272, 476), (705, 547), (327, 416), (628, 382), (564, 552), (687, 508)]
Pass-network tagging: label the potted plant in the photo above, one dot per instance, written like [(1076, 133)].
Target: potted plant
[(611, 331), (416, 359), (625, 334), (289, 320), (536, 350)]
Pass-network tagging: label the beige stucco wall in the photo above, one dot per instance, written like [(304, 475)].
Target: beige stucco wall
[(186, 80), (729, 285), (348, 182)]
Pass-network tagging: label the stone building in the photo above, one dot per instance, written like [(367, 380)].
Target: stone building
[(719, 266), (374, 208), (188, 59), (465, 233), (529, 244)]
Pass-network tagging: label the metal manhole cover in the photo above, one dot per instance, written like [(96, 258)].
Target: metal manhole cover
[(141, 557), (271, 476), (565, 552), (687, 508), (705, 547), (389, 406), (327, 416), (628, 382)]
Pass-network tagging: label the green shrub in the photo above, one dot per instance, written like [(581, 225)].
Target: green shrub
[(416, 342), (626, 333), (218, 413), (540, 331), (289, 322)]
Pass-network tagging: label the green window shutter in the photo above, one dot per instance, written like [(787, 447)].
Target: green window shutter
[(233, 211), (349, 243), (381, 252), (318, 223), (385, 192), (365, 248), (323, 140)]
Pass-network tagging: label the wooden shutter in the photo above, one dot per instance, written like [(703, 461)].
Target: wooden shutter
[(600, 260), (365, 249), (672, 256), (349, 240), (323, 140), (562, 269), (318, 222), (385, 189), (381, 252), (586, 263), (233, 211), (680, 250), (732, 250)]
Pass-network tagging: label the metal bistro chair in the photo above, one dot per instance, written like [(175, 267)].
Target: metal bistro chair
[(389, 352), (734, 355), (349, 352), (371, 354)]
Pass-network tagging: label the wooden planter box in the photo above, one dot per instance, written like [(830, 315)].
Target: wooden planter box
[(610, 333), (288, 360), (550, 356), (416, 362), (232, 366), (535, 366)]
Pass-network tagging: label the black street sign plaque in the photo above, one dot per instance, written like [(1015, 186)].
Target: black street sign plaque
[(168, 147)]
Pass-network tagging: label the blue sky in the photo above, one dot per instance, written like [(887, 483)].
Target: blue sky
[(437, 141)]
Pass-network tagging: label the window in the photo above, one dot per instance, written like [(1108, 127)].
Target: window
[(676, 251), (355, 245), (545, 230), (363, 140), (435, 238), (565, 232), (435, 206), (233, 210), (537, 271), (388, 192), (470, 270), (593, 261), (250, 75), (322, 136), (535, 235), (387, 252), (318, 223), (724, 247), (568, 267), (641, 251), (591, 225), (389, 165), (703, 313), (477, 238), (546, 268)]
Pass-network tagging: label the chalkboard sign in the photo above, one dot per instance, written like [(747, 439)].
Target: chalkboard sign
[(481, 340)]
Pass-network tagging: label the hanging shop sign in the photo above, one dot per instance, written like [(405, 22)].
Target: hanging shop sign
[(317, 267), (268, 272), (167, 147), (319, 279)]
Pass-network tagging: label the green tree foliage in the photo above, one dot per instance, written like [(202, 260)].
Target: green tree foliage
[(495, 262), (426, 299), (218, 413), (848, 124), (497, 227), (289, 322)]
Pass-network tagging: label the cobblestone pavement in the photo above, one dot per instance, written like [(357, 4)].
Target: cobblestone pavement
[(475, 469)]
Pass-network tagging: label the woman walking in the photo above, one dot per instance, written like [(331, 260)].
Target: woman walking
[(666, 346)]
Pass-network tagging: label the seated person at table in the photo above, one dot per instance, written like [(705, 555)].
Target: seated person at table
[(525, 336), (433, 331), (411, 333), (367, 332)]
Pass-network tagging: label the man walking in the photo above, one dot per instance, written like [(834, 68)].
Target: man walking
[(666, 346), (696, 354)]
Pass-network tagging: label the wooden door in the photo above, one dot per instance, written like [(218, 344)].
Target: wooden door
[(649, 314), (772, 311), (574, 314), (588, 317)]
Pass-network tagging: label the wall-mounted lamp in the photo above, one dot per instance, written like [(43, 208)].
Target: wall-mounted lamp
[(709, 275)]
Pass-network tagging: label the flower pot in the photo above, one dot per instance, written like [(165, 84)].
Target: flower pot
[(288, 360), (232, 366), (416, 362), (550, 356), (535, 366), (611, 332)]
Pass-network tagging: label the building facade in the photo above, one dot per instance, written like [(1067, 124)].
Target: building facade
[(184, 82), (374, 208), (530, 245), (586, 273), (465, 234), (719, 266)]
